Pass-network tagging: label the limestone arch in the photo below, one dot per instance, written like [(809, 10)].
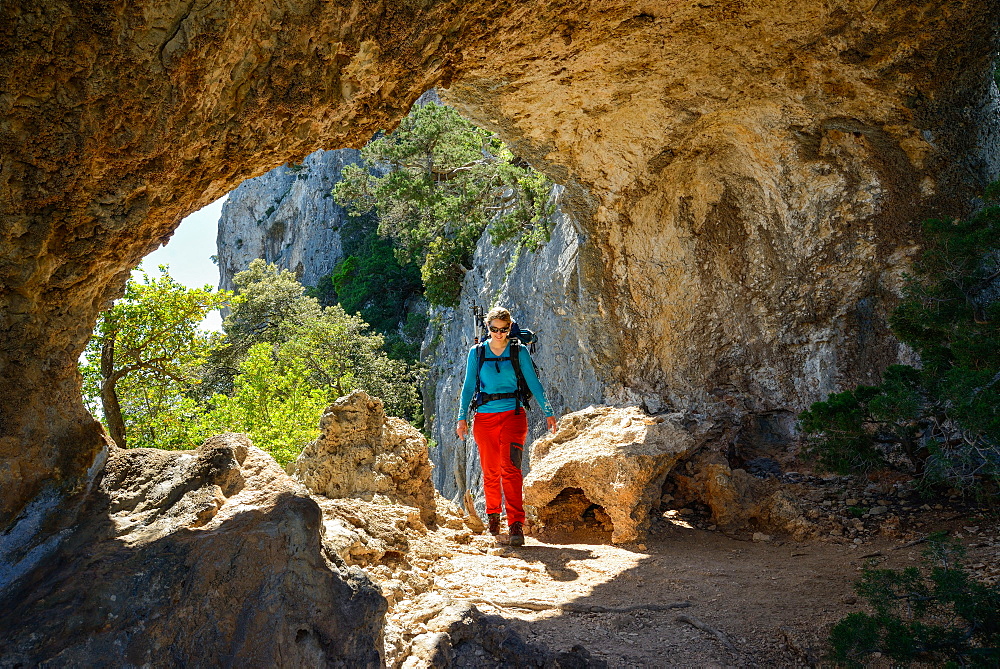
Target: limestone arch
[(689, 134)]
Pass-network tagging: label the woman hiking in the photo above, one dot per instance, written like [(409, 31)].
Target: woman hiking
[(500, 427)]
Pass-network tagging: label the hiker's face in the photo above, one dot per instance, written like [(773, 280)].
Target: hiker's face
[(499, 329)]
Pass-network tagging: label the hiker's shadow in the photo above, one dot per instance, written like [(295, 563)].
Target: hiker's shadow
[(555, 560)]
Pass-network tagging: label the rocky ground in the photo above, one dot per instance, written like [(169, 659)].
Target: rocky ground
[(857, 512), (738, 567), (687, 596), (218, 555)]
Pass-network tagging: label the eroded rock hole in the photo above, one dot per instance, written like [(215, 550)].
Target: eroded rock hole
[(394, 559), (572, 517)]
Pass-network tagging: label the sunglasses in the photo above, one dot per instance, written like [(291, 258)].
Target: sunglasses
[(493, 329)]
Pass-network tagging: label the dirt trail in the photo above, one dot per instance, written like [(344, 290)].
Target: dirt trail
[(774, 601)]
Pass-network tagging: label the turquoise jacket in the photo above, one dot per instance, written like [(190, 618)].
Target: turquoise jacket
[(499, 377)]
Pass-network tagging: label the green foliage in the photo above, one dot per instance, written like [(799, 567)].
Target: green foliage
[(342, 354), (274, 401), (375, 285), (269, 303), (371, 281), (943, 420), (283, 360), (339, 350), (436, 183), (850, 431), (950, 317), (293, 357), (144, 358), (937, 614)]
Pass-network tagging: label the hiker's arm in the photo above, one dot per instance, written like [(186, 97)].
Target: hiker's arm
[(468, 385), (528, 370)]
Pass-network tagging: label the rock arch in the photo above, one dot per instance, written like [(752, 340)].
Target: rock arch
[(747, 174)]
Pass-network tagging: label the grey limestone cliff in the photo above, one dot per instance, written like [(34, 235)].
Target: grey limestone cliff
[(287, 217), (544, 292)]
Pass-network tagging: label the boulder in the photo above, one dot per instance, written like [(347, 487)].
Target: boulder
[(740, 501), (208, 557), (363, 533), (364, 454), (617, 458)]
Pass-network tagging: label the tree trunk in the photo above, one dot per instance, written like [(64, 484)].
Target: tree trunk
[(109, 398)]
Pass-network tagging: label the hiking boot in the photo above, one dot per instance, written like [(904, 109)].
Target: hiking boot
[(494, 523), (517, 534)]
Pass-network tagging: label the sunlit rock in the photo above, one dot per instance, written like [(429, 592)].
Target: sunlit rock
[(209, 557), (617, 458), (362, 453)]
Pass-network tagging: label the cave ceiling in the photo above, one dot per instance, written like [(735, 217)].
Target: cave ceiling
[(747, 174)]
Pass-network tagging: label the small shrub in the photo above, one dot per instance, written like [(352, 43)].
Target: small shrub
[(936, 614), (852, 431)]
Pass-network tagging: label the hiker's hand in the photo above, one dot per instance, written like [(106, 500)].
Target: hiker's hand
[(462, 429), (550, 421)]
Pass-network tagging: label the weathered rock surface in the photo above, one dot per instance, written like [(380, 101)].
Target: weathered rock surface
[(371, 476), (363, 453), (443, 632), (287, 217), (748, 178), (208, 557), (738, 500), (747, 175), (617, 458)]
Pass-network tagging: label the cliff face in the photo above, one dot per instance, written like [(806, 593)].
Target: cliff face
[(545, 292), (287, 217), (751, 205), (747, 175)]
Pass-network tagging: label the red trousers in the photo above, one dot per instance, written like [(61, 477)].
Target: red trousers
[(500, 438)]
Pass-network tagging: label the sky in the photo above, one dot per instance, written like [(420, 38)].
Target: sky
[(189, 254)]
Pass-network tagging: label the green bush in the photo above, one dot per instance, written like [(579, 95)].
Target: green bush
[(436, 182), (151, 373), (934, 614), (942, 421), (273, 401), (142, 364), (371, 282), (852, 431)]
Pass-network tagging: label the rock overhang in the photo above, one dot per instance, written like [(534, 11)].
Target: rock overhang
[(703, 144)]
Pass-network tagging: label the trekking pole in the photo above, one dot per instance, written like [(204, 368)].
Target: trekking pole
[(477, 316)]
